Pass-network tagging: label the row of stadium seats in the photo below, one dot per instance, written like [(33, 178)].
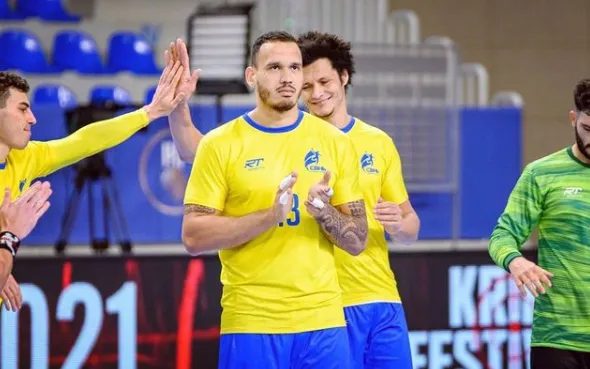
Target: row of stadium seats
[(77, 51), (62, 96), (47, 10)]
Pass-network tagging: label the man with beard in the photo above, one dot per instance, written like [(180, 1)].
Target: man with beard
[(553, 193), (252, 194)]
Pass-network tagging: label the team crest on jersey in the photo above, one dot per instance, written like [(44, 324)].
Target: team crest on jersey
[(367, 163), (312, 161)]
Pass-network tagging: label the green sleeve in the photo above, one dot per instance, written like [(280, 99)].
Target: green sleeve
[(517, 221)]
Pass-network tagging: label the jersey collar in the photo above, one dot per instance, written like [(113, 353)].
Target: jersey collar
[(284, 129)]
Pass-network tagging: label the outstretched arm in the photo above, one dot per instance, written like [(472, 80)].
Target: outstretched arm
[(103, 135), (91, 140)]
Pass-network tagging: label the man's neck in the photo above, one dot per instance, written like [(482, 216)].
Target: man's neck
[(579, 155), (268, 117), (340, 118), (4, 150)]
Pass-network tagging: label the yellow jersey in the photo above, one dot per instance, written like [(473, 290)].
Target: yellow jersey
[(368, 277), (39, 159), (285, 280)]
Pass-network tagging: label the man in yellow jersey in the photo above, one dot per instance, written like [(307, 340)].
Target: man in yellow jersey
[(376, 323), (22, 160), (250, 181)]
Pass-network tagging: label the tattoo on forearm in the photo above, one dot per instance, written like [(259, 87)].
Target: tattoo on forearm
[(346, 231), (198, 209)]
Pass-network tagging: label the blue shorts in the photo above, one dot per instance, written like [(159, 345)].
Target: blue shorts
[(378, 335), (323, 349)]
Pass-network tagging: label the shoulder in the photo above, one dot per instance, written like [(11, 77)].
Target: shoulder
[(371, 131), (320, 127), (32, 150), (548, 164), (222, 135), (379, 140)]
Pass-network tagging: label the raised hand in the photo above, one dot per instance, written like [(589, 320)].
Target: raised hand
[(21, 216), (528, 274), (389, 215), (188, 83), (165, 98)]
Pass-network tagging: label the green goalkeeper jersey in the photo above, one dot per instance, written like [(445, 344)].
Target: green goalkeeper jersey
[(553, 193)]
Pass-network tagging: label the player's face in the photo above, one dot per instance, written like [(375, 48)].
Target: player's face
[(323, 88), (278, 75), (16, 120)]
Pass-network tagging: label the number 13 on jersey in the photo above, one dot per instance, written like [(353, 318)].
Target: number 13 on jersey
[(294, 216)]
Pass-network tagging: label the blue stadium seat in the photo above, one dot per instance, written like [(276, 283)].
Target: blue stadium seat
[(55, 94), (48, 10), (8, 13), (149, 94), (112, 93), (131, 52), (77, 50), (21, 49)]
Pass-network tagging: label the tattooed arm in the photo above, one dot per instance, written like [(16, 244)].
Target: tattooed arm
[(345, 226), (203, 229)]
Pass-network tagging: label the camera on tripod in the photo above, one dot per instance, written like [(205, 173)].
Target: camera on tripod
[(88, 171)]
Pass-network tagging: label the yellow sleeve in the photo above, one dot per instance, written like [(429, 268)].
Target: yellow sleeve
[(92, 139), (393, 187), (346, 187), (207, 184)]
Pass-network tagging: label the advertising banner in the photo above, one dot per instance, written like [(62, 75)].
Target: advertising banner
[(164, 312)]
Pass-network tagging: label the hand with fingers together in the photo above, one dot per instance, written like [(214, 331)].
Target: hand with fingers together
[(389, 215), (21, 216), (529, 275), (188, 82), (283, 198), (11, 295), (165, 98)]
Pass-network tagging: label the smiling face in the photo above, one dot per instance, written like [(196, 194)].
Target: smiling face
[(16, 119), (324, 90)]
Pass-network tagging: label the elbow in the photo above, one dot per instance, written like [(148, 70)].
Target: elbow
[(359, 244), (357, 249), (194, 244), (186, 157)]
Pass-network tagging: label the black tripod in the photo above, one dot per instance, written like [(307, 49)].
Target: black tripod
[(89, 171)]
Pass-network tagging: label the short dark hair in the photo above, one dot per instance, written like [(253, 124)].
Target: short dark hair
[(10, 80), (272, 36), (317, 45), (582, 96)]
